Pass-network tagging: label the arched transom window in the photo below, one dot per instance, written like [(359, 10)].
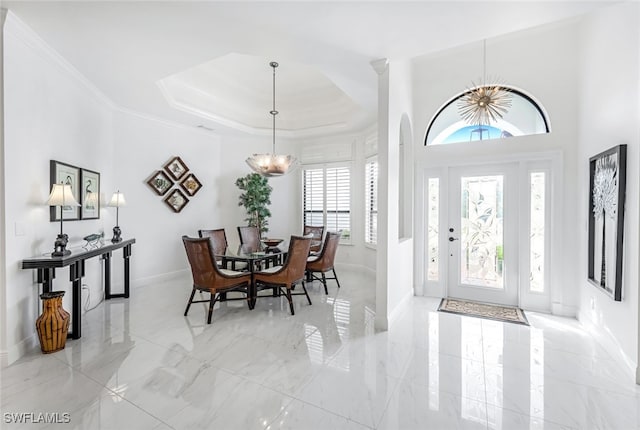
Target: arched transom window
[(523, 117)]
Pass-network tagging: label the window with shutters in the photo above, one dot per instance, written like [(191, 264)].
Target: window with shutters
[(371, 201), (327, 198)]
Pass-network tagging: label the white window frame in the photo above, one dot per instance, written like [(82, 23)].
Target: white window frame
[(345, 239)]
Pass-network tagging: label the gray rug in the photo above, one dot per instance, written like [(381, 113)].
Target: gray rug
[(483, 310)]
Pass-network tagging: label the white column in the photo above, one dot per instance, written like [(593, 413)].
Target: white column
[(382, 261), (3, 230)]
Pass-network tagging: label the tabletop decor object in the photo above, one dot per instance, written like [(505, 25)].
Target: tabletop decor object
[(272, 164), (117, 201), (53, 324), (61, 196)]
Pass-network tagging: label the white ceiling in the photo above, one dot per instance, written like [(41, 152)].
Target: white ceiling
[(127, 48)]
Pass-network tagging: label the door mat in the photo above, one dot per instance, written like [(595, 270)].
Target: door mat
[(483, 310)]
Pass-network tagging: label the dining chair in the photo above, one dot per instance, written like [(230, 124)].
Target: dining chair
[(324, 262), (207, 277), (219, 244), (316, 233), (291, 273), (249, 236)]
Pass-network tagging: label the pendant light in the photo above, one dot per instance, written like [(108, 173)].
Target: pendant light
[(271, 164), (484, 103)]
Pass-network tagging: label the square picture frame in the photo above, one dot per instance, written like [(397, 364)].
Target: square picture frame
[(607, 187), (176, 200), (60, 172), (90, 194), (160, 182), (176, 168), (190, 184)]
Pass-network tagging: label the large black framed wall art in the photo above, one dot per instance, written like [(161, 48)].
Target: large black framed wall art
[(607, 183), (63, 173)]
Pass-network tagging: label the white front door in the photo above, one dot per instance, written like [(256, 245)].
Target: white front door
[(482, 233)]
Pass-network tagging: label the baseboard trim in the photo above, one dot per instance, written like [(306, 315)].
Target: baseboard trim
[(18, 350), (359, 267), (609, 343), (564, 311), (164, 277)]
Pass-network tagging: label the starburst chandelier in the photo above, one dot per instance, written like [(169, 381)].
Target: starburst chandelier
[(271, 164), (483, 104)]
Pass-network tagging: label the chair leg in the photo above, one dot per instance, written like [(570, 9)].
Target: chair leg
[(290, 301), (212, 302), (193, 293), (324, 282), (304, 288), (336, 277)]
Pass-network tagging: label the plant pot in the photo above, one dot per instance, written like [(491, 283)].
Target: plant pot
[(53, 324)]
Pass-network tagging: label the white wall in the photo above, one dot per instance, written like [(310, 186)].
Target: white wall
[(394, 270), (609, 115), (50, 113), (542, 62), (400, 243)]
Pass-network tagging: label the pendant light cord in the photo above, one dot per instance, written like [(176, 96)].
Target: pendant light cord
[(274, 112), (484, 62)]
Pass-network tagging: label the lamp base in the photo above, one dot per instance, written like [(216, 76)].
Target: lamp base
[(116, 235), (60, 246)]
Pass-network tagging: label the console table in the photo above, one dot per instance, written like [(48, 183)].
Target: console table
[(46, 266)]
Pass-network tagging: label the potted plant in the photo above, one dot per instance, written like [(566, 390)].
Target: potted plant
[(255, 197)]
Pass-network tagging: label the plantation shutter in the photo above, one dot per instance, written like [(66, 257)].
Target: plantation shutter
[(327, 198), (313, 196), (371, 201)]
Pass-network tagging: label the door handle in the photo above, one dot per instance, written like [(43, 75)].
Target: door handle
[(451, 239)]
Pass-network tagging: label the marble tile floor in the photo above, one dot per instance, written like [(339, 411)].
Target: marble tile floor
[(141, 365)]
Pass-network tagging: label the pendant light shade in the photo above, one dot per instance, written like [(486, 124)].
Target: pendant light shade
[(271, 164)]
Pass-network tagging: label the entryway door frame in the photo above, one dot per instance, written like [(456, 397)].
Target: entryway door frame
[(548, 162)]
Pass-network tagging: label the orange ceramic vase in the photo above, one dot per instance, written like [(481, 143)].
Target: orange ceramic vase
[(53, 324)]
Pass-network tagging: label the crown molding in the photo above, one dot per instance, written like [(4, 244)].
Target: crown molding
[(17, 28)]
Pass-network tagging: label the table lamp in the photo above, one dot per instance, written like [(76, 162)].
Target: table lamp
[(117, 201), (61, 195)]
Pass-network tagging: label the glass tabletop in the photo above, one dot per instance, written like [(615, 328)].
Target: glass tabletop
[(247, 253)]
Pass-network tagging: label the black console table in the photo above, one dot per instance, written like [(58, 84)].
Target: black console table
[(46, 266)]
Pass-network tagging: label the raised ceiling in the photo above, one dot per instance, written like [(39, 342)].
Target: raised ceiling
[(127, 48), (230, 91)]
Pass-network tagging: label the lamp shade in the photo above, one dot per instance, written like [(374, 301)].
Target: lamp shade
[(117, 200), (61, 195)]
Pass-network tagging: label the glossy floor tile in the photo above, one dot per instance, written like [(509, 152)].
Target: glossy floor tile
[(142, 365)]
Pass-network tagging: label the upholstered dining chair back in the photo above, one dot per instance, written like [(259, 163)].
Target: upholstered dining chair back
[(325, 261), (327, 256), (316, 233), (208, 277), (284, 278), (203, 267), (217, 240), (297, 258), (249, 236)]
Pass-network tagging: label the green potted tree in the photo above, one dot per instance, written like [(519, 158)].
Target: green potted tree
[(256, 195)]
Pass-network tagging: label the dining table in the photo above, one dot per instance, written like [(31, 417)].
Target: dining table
[(256, 258)]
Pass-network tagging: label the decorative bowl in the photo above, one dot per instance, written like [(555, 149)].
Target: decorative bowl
[(271, 242)]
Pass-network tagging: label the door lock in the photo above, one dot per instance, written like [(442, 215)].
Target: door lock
[(451, 239)]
